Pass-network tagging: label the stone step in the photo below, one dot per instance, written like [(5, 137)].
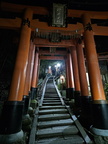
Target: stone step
[(50, 90), (51, 104), (48, 101), (50, 95), (50, 98), (53, 117), (51, 107), (73, 139), (46, 124), (57, 131), (52, 111)]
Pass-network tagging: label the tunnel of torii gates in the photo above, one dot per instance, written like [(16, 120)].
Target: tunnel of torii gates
[(25, 73)]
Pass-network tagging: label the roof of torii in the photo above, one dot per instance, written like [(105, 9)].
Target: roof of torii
[(36, 23)]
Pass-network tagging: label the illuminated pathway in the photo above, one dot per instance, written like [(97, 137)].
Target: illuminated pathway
[(55, 124)]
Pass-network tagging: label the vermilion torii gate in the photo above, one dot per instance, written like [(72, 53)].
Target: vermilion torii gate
[(26, 68)]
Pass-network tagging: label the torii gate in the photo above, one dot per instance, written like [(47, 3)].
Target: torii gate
[(25, 73)]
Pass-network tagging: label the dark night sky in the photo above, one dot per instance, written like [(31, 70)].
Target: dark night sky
[(96, 5)]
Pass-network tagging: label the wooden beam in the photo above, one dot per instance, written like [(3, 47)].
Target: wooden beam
[(100, 30), (10, 23), (51, 58), (93, 14), (44, 25), (42, 52), (71, 28), (44, 11), (45, 43), (103, 57)]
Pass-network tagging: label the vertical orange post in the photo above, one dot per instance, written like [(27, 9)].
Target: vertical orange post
[(11, 116), (67, 77), (26, 96), (100, 105), (71, 78), (75, 68), (76, 76), (18, 80), (32, 65), (92, 61), (82, 70), (38, 67), (27, 80), (34, 76), (84, 100)]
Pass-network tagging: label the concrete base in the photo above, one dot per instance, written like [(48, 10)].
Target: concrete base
[(16, 138), (101, 136), (99, 132)]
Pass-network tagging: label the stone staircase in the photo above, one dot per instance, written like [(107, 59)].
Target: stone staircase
[(54, 122)]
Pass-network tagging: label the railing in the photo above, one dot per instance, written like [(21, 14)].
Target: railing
[(41, 90)]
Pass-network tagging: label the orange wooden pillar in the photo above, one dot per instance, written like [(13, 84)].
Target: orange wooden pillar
[(67, 77), (11, 117), (84, 98), (100, 106), (38, 67), (76, 75), (34, 76), (71, 78), (32, 65), (26, 96)]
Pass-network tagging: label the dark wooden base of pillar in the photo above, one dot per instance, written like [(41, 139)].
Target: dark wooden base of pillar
[(100, 114), (26, 100), (86, 105), (86, 111), (11, 117), (77, 96), (33, 93), (70, 93)]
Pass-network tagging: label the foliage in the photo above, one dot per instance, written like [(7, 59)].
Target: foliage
[(106, 87)]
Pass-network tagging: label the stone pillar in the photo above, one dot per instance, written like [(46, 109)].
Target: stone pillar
[(77, 92), (34, 76), (11, 117), (100, 105), (71, 78)]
